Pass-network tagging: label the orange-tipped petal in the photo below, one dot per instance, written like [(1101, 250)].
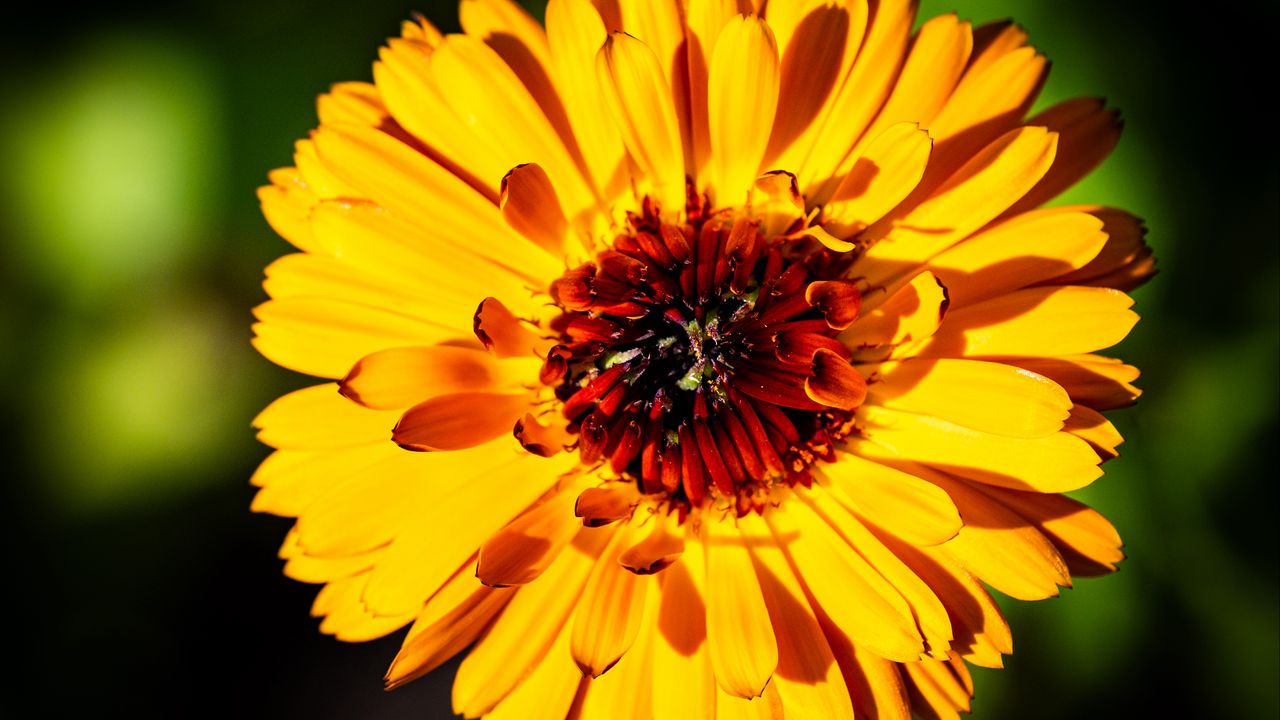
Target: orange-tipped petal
[(459, 421), (530, 206), (518, 553), (656, 551), (539, 439), (504, 334), (838, 300), (400, 377), (834, 382), (603, 505)]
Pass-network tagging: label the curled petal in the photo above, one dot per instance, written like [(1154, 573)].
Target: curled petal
[(657, 551), (604, 505), (530, 206), (834, 382), (838, 301), (502, 332)]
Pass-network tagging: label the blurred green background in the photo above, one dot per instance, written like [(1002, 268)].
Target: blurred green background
[(131, 249)]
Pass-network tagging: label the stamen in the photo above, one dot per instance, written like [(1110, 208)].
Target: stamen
[(700, 361)]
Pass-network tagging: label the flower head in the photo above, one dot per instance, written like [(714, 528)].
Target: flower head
[(685, 355)]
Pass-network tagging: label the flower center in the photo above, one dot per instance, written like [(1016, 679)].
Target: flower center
[(701, 360)]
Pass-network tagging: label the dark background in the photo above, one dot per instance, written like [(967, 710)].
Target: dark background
[(131, 140)]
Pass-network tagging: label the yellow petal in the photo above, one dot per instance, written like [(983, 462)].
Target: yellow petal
[(352, 516), (817, 42), (549, 691), (847, 588), (979, 191), (498, 110), (352, 102), (930, 617), (542, 439), (304, 568), (289, 487), (400, 377), (1054, 463), (446, 625), (704, 20), (355, 516), (987, 102), (784, 17), (1125, 261), (369, 239), (875, 684), (318, 418), (1088, 541), (993, 41), (325, 337), (742, 95), (1089, 425), (939, 54), (1019, 252), (1100, 382), (828, 240), (445, 529), (766, 707), (405, 83), (779, 206), (981, 633), (626, 692), (420, 28), (346, 618), (741, 640), (660, 25), (318, 177), (638, 99), (279, 463), (939, 688), (662, 546), (520, 552), (575, 33), (987, 396), (1087, 133), (530, 632), (894, 326), (286, 204), (884, 175), (808, 679), (914, 510), (497, 20), (446, 208), (507, 336), (818, 155), (610, 611), (312, 275), (1044, 321), (684, 685), (522, 44), (999, 547)]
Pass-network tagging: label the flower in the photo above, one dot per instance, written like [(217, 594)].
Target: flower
[(680, 357)]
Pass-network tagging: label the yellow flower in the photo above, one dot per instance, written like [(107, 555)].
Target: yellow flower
[(684, 357)]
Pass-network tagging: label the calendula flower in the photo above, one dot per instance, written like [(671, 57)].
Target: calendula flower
[(688, 360)]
